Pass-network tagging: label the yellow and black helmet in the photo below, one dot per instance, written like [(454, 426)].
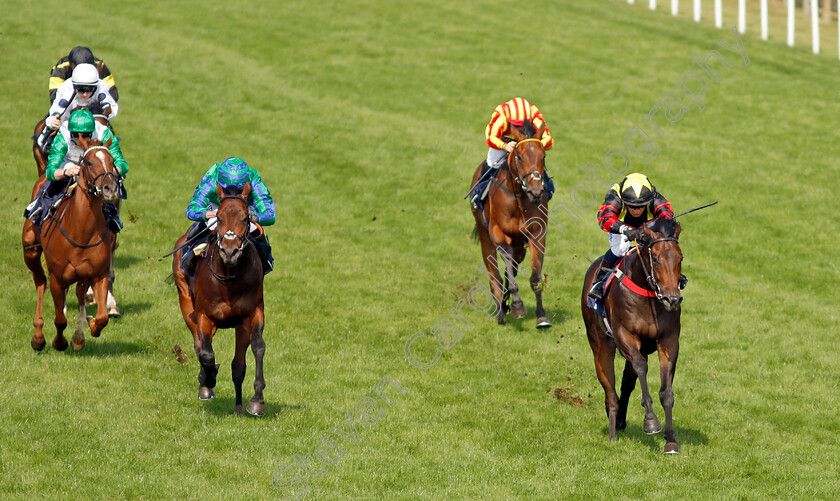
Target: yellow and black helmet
[(636, 190)]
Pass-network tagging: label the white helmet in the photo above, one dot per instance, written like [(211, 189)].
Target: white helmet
[(85, 74)]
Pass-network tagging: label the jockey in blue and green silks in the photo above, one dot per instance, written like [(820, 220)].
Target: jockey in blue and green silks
[(65, 161), (202, 208)]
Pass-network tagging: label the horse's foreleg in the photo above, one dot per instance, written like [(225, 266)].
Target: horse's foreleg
[(257, 404), (204, 350), (78, 340), (113, 309), (628, 384), (537, 256), (100, 292), (668, 352), (59, 295), (32, 258), (517, 308)]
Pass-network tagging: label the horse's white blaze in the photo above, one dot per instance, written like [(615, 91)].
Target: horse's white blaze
[(101, 157), (229, 235)]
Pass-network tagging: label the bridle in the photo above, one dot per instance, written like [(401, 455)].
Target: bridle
[(92, 188), (651, 278), (244, 239), (533, 174)]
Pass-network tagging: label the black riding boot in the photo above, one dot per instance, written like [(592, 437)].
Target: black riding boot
[(112, 215), (264, 251), (683, 281), (189, 260), (597, 289)]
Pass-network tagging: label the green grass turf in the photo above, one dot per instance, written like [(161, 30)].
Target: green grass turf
[(366, 121)]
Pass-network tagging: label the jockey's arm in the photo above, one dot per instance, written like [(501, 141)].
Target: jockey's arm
[(197, 208), (114, 149), (56, 158), (262, 201)]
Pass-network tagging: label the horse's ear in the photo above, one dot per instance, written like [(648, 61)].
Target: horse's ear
[(83, 142), (516, 133), (246, 190), (219, 191), (677, 229)]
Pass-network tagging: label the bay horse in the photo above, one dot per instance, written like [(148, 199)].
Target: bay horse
[(226, 291), (77, 246), (516, 204), (642, 321), (41, 159)]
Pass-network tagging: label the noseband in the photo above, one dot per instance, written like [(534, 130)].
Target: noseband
[(92, 187), (534, 174), (651, 278)]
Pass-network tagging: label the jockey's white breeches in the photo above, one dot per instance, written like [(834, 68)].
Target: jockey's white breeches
[(619, 244), (494, 157)]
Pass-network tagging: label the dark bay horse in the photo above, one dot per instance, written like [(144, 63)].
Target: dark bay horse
[(515, 211), (226, 291), (77, 246), (643, 311)]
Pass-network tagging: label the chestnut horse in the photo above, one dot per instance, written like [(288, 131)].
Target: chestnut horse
[(515, 212), (642, 321), (77, 246), (226, 291), (41, 163)]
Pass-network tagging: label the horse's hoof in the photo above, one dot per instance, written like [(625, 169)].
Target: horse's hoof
[(78, 345), (60, 345), (543, 323), (620, 425), (652, 427), (256, 408), (501, 321), (672, 448), (114, 312), (38, 346), (205, 393), (239, 412), (518, 310)]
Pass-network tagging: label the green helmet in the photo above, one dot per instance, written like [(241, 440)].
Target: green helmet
[(81, 121)]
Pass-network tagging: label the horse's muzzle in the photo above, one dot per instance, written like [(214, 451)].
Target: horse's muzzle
[(230, 255), (672, 301)]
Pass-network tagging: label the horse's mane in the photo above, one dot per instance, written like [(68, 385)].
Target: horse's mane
[(527, 129), (666, 227)]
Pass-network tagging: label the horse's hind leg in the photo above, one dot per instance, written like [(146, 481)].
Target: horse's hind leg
[(628, 384), (59, 292), (237, 366), (113, 309), (257, 404), (667, 367), (100, 292), (510, 256), (32, 258), (640, 367), (488, 254), (78, 340), (604, 353)]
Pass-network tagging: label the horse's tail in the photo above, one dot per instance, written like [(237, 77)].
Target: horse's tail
[(474, 235)]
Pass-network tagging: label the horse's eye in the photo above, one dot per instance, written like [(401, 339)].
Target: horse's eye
[(655, 260), (518, 157)]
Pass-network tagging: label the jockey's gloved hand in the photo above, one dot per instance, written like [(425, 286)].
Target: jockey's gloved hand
[(631, 233)]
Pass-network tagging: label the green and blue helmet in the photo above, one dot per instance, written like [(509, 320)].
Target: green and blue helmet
[(233, 172), (81, 121)]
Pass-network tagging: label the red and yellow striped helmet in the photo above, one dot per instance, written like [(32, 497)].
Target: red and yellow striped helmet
[(516, 111)]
